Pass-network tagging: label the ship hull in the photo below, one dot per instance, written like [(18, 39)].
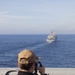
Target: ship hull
[(50, 41)]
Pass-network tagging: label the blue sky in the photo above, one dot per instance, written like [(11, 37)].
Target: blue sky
[(37, 16)]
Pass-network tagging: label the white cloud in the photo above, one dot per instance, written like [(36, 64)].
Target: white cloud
[(37, 24), (4, 12), (6, 17)]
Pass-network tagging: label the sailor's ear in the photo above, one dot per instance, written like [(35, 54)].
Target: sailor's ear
[(33, 66)]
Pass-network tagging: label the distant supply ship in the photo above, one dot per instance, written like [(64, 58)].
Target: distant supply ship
[(51, 37)]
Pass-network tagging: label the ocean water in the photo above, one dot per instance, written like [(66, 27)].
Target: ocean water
[(59, 54)]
